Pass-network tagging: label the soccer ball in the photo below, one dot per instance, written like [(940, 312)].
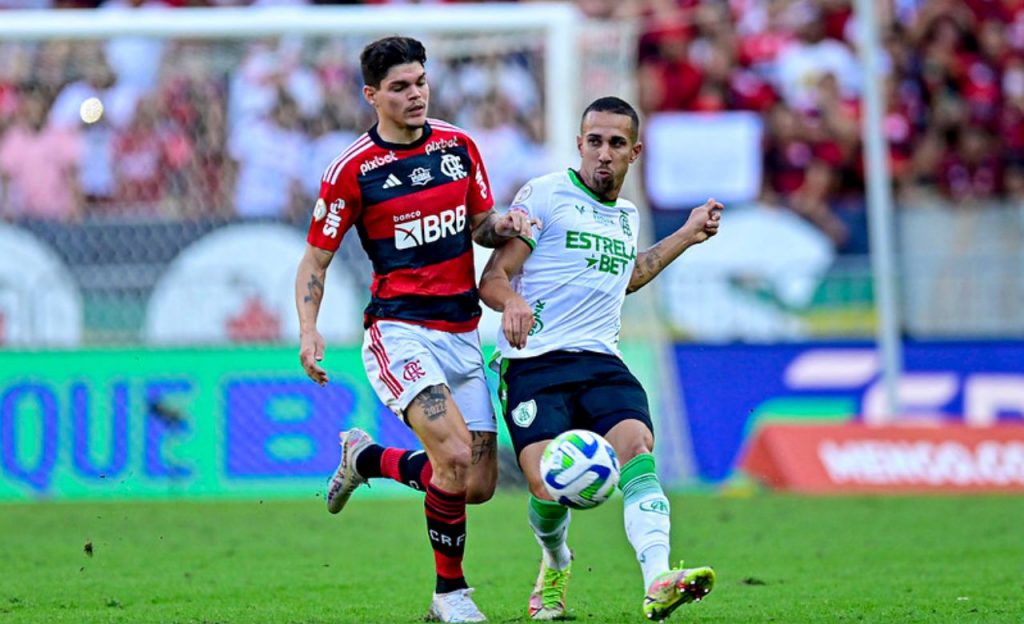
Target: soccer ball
[(579, 469)]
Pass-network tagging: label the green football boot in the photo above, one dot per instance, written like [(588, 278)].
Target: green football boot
[(675, 588), (547, 602)]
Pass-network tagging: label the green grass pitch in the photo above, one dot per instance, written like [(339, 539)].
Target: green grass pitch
[(782, 559)]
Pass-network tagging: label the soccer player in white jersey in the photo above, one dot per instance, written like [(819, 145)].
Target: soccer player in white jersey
[(561, 298)]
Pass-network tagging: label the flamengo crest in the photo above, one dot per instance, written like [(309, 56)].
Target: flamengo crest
[(451, 166)]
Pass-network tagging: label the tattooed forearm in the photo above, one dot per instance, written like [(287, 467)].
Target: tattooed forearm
[(647, 267), (433, 402), (483, 446), (485, 235), (314, 290)]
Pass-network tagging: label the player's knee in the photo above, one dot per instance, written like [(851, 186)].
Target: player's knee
[(451, 465), (638, 446), (537, 488)]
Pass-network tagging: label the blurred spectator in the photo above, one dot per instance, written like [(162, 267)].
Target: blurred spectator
[(971, 171), (96, 169), (270, 155), (668, 80), (328, 138), (507, 145), (801, 62), (135, 60), (38, 163), (26, 4), (267, 69), (148, 155)]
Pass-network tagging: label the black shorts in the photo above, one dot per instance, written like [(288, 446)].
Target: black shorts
[(545, 395)]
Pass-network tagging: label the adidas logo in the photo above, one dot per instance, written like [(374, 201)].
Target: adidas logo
[(391, 182)]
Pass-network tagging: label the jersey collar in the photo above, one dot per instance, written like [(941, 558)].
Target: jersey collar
[(575, 177), (375, 137)]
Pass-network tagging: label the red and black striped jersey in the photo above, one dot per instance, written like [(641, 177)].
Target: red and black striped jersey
[(411, 205)]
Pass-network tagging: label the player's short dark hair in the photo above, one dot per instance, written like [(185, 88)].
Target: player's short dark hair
[(383, 54), (617, 106)]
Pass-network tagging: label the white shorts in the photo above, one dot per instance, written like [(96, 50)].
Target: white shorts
[(403, 359)]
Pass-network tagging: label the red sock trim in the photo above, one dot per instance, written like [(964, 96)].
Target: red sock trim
[(389, 463), (444, 506), (448, 567), (426, 474)]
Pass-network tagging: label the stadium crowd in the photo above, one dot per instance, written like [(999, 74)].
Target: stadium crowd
[(182, 136)]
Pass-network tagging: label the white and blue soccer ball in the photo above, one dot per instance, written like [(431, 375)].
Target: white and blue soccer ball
[(579, 469)]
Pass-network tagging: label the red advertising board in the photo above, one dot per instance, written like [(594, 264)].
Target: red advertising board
[(855, 458)]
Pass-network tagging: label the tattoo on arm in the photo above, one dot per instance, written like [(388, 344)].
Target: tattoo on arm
[(485, 236), (652, 261), (647, 267), (433, 402), (314, 290), (483, 446)]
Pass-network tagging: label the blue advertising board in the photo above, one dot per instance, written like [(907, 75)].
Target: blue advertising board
[(727, 390)]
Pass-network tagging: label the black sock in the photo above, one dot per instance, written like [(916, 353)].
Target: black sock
[(368, 462), (446, 527)]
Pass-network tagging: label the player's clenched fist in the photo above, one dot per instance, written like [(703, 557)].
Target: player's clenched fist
[(704, 220)]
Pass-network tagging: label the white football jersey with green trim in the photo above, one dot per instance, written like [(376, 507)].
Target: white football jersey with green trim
[(575, 278)]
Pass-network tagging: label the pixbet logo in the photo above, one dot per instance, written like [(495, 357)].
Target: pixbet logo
[(430, 228), (372, 163), (440, 144)]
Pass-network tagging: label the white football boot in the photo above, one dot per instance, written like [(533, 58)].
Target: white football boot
[(345, 479), (455, 606)]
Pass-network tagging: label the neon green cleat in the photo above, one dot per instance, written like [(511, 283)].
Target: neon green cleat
[(547, 602), (676, 588)]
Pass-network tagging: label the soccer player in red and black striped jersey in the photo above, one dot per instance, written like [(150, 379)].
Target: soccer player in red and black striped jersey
[(417, 193)]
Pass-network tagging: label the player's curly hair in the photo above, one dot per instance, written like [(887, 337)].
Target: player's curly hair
[(383, 54)]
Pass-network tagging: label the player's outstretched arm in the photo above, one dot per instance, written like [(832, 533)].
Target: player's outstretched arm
[(701, 225), (496, 291), (492, 230), (309, 292)]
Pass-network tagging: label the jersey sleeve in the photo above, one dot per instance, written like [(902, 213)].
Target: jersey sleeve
[(533, 201), (335, 211), (479, 198)]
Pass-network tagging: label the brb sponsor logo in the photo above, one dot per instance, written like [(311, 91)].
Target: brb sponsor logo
[(412, 230), (377, 161), (333, 222)]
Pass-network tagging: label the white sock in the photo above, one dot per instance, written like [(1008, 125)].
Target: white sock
[(550, 524), (646, 516), (653, 563)]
